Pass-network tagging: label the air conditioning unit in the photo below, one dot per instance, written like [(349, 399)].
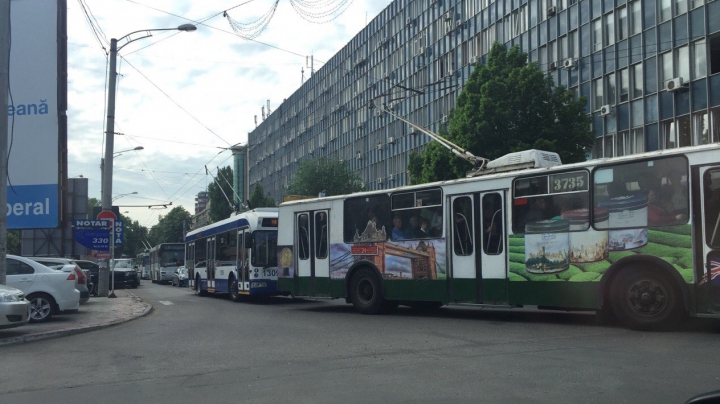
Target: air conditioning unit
[(473, 60), (569, 63), (444, 119), (675, 84), (379, 146), (421, 51), (458, 23), (359, 125), (605, 110), (391, 177), (378, 112), (551, 11), (391, 140), (552, 66), (358, 156), (379, 180), (408, 22)]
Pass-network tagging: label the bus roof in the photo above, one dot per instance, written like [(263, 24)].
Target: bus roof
[(562, 167), (238, 220)]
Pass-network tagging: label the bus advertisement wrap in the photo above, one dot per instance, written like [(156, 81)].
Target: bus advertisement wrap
[(32, 190)]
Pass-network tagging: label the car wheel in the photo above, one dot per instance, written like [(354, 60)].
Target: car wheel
[(233, 286), (135, 285), (646, 299), (41, 307), (366, 293)]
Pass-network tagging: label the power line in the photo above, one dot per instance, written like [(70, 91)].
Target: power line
[(174, 102), (171, 141)]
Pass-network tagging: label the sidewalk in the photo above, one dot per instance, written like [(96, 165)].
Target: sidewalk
[(97, 313)]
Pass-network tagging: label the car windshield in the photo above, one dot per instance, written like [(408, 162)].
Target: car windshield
[(123, 264)]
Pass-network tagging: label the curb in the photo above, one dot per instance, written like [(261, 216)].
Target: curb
[(64, 333)]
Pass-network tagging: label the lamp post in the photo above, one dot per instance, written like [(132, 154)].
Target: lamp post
[(107, 163), (116, 197)]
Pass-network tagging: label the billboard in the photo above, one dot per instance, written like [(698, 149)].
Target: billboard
[(33, 193)]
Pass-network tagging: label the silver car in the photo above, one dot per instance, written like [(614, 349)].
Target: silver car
[(14, 308)]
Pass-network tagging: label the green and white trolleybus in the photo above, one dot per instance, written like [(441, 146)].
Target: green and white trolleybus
[(636, 236)]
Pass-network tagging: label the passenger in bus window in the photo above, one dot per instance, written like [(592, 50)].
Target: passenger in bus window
[(397, 231), (414, 230), (538, 210), (676, 192), (657, 215), (436, 223), (424, 228)]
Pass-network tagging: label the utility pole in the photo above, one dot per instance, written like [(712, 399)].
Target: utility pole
[(4, 83)]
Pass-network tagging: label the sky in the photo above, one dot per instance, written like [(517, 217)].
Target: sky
[(185, 96)]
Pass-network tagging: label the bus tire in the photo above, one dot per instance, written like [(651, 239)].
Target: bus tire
[(233, 289), (198, 287), (646, 299), (366, 293)]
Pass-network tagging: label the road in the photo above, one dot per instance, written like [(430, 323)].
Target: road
[(203, 349)]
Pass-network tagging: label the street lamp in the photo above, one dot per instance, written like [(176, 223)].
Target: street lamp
[(110, 133), (117, 153), (121, 195), (102, 167)]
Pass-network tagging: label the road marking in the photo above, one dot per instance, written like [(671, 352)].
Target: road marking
[(166, 302)]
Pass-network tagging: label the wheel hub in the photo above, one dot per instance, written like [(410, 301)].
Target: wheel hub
[(647, 297)]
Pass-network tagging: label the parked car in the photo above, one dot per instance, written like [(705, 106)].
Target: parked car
[(49, 291), (93, 269), (68, 265), (14, 309), (125, 274), (179, 277)]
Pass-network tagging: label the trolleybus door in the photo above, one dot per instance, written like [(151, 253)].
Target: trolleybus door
[(708, 274), (210, 254), (321, 252), (190, 264), (303, 238), (493, 260), (244, 265), (465, 284)]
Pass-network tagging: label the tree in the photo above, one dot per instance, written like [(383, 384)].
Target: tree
[(169, 228), (317, 175), (133, 236), (218, 190), (258, 199), (507, 105), (13, 242), (92, 202)]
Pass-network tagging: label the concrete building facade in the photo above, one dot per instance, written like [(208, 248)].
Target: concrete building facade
[(647, 68)]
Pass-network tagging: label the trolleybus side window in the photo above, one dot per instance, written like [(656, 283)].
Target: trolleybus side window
[(227, 249), (492, 222), (462, 232), (415, 214), (712, 208), (200, 253), (641, 194), (321, 235), (303, 230), (264, 253), (366, 219), (553, 197)]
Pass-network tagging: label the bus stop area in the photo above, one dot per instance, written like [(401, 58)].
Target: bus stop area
[(97, 313)]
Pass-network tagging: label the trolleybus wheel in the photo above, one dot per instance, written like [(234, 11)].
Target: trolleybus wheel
[(233, 286), (644, 299), (365, 292)]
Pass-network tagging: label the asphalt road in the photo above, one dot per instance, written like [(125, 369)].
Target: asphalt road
[(208, 349)]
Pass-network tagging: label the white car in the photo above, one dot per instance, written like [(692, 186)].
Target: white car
[(13, 308), (49, 291)]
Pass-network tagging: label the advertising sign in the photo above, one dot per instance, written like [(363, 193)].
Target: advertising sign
[(32, 191), (93, 234)]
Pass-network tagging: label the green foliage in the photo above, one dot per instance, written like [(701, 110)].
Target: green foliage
[(169, 228), (507, 105), (92, 202), (13, 242), (317, 175), (617, 256), (258, 199), (218, 190), (133, 236)]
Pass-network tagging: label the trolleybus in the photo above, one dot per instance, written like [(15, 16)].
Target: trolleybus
[(237, 255), (164, 260), (635, 236), (142, 261)]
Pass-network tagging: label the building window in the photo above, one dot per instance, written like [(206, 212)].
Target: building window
[(665, 10), (669, 138), (714, 54), (682, 62), (681, 7), (699, 60), (598, 93), (624, 75), (701, 129), (666, 60), (636, 18), (622, 23), (608, 152), (637, 72), (597, 35), (609, 29), (610, 81)]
